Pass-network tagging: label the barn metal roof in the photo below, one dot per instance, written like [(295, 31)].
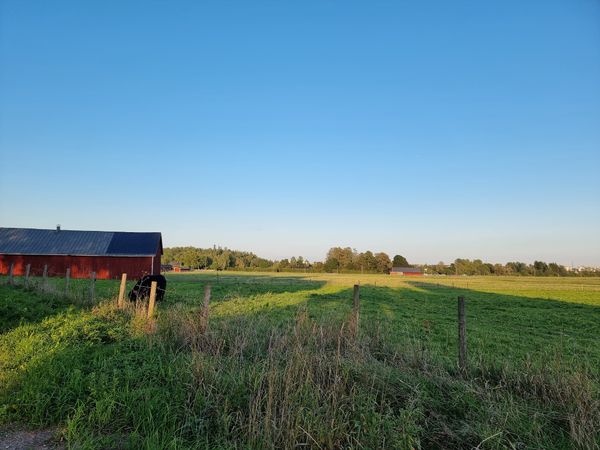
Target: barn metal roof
[(32, 241)]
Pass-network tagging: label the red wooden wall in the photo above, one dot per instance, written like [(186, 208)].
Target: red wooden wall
[(106, 267)]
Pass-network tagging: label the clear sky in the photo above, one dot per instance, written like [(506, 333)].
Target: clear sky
[(432, 129)]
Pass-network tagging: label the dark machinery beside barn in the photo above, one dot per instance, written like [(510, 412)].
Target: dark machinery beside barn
[(141, 290)]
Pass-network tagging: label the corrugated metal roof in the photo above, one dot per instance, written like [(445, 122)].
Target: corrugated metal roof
[(125, 243), (31, 241)]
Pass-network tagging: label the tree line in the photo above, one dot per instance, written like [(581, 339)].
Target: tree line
[(478, 267), (338, 259), (348, 260), (214, 258)]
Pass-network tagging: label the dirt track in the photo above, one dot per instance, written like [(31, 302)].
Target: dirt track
[(18, 438)]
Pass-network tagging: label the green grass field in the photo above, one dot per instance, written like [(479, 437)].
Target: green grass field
[(279, 366)]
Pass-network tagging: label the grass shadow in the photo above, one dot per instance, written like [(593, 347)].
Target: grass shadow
[(189, 288), (20, 306), (501, 328)]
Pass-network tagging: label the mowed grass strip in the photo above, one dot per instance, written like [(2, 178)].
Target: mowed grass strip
[(279, 369)]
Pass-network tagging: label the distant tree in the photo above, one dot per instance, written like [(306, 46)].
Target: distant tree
[(261, 263), (400, 261), (191, 257), (440, 268), (318, 267), (222, 260), (346, 257), (384, 264), (517, 268), (366, 262), (240, 262), (451, 269), (331, 265), (540, 268), (480, 268), (296, 263), (203, 261), (499, 269), (461, 266), (301, 263), (556, 270)]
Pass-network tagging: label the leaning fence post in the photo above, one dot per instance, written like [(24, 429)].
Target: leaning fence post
[(67, 280), (27, 270), (45, 277), (122, 290), (355, 309), (92, 286), (152, 299), (204, 310), (462, 335), (11, 269)]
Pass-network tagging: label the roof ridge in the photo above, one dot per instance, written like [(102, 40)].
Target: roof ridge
[(82, 231)]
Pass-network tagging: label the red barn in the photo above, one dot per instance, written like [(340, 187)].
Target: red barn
[(108, 253), (406, 271)]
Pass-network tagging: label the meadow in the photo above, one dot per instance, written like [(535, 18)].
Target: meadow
[(280, 367)]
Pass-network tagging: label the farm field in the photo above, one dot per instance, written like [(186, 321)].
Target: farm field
[(279, 367)]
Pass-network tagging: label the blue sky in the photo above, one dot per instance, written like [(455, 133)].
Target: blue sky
[(432, 129)]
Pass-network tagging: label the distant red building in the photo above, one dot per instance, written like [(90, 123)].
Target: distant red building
[(107, 253), (406, 271)]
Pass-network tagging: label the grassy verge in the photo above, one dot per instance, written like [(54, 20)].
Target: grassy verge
[(294, 376)]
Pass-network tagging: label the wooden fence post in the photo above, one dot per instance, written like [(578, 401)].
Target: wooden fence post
[(67, 281), (152, 299), (11, 269), (121, 298), (27, 270), (92, 286), (462, 335), (204, 310), (45, 277), (355, 309)]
